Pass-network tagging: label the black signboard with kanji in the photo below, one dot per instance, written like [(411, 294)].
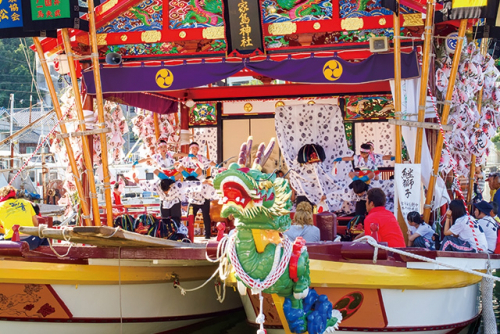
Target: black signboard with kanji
[(12, 21), (52, 15), (243, 27)]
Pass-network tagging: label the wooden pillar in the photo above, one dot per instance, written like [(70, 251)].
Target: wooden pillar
[(220, 142), (444, 119), (429, 21), (85, 143), (184, 124), (157, 125), (88, 104), (57, 108), (397, 109), (100, 112)]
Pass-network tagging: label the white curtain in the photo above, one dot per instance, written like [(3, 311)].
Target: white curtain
[(410, 93), (323, 125)]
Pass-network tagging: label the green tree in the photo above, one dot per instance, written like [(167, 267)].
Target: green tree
[(15, 77)]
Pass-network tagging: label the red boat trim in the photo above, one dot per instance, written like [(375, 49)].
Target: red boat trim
[(126, 320), (59, 300), (458, 326), (382, 307)]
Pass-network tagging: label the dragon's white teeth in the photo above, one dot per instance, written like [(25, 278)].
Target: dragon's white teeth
[(242, 201), (224, 200), (237, 199)]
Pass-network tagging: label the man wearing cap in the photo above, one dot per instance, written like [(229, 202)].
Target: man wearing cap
[(482, 211)]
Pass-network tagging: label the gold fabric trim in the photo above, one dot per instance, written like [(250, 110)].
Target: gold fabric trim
[(282, 28), (352, 23), (412, 20), (151, 36), (213, 33), (101, 39), (108, 5)]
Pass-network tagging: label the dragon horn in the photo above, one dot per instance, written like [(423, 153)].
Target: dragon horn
[(249, 150), (258, 156), (242, 158), (268, 151)]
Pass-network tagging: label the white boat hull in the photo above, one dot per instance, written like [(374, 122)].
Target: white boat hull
[(104, 309), (395, 311)]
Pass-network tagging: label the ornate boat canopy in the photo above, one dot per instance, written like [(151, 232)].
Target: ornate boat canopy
[(161, 34)]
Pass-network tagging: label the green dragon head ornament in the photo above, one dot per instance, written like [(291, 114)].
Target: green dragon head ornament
[(257, 200), (263, 259)]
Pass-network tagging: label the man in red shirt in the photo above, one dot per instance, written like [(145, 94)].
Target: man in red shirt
[(383, 221)]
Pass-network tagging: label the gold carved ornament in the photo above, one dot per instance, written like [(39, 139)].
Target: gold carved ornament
[(101, 39), (213, 33), (316, 26), (279, 104), (123, 38), (382, 21), (182, 34), (248, 107), (412, 20), (282, 28), (352, 23), (151, 36)]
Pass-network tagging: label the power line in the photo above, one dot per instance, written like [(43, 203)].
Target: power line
[(16, 91)]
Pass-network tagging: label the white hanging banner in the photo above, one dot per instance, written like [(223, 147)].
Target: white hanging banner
[(408, 178)]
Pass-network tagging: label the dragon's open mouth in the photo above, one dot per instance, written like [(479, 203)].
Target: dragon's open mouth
[(237, 192)]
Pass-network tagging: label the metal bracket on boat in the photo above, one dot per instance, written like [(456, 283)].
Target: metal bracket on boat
[(92, 195), (174, 277), (447, 102), (428, 206), (425, 125), (83, 133), (87, 216)]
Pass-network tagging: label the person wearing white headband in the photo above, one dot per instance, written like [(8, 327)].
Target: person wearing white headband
[(164, 160), (194, 163), (367, 162)]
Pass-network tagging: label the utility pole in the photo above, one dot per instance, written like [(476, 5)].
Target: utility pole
[(11, 130)]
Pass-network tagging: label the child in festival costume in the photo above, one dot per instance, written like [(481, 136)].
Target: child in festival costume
[(164, 160), (459, 237), (367, 162), (422, 237)]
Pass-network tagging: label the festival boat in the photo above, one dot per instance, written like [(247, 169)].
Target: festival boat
[(330, 77)]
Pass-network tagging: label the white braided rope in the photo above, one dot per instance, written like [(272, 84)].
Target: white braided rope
[(223, 270), (489, 320), (372, 242), (280, 264), (67, 238)]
